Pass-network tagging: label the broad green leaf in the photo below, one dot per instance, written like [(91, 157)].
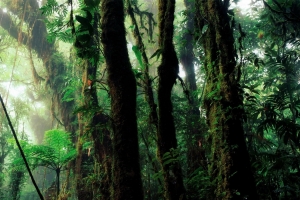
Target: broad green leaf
[(204, 28)]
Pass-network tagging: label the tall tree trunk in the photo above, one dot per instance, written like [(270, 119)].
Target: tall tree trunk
[(127, 182), (230, 168), (187, 60), (2, 157), (147, 82), (168, 73), (57, 182), (194, 132), (16, 180), (96, 121), (78, 161), (186, 49)]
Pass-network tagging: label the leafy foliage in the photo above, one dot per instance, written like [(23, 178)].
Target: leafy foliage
[(55, 152), (272, 102), (57, 26)]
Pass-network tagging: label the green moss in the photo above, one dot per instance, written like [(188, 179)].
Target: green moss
[(228, 149)]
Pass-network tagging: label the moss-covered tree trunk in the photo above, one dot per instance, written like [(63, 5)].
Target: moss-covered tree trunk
[(95, 122), (230, 168), (122, 88), (2, 157), (16, 180), (168, 73)]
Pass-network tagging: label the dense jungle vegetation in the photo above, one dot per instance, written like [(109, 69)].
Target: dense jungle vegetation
[(132, 99)]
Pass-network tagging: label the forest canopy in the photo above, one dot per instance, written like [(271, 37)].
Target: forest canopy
[(131, 99)]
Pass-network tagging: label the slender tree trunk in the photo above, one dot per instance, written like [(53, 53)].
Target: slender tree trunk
[(196, 157), (147, 84), (230, 168), (187, 60), (186, 49), (15, 185), (99, 131), (96, 124), (2, 157), (57, 181), (126, 168), (168, 73), (81, 189)]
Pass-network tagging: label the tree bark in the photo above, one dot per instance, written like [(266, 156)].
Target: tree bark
[(168, 73), (96, 121), (122, 84), (230, 168)]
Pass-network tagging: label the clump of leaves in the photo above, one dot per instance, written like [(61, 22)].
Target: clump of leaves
[(54, 153)]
